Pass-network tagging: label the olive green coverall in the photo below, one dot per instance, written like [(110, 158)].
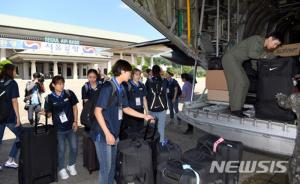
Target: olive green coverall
[(237, 79)]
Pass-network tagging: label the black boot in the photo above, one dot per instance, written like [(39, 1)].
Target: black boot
[(189, 130), (238, 113)]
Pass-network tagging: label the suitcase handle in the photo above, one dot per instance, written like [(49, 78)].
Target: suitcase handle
[(36, 124), (171, 175), (147, 129)]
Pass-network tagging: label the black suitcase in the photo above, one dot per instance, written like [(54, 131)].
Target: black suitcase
[(134, 162), (148, 133), (38, 154), (172, 172), (166, 151), (275, 76), (201, 160), (90, 160), (224, 150)]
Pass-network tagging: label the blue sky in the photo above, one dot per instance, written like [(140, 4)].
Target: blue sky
[(111, 15)]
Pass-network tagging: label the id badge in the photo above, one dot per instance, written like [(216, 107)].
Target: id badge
[(138, 101), (168, 90), (120, 114), (63, 117)]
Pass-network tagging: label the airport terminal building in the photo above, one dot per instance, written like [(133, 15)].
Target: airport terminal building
[(54, 48)]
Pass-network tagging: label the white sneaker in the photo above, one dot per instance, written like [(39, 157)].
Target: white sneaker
[(72, 170), (11, 164), (63, 174), (1, 168)]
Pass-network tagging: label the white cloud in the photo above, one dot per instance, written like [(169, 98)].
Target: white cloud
[(124, 6)]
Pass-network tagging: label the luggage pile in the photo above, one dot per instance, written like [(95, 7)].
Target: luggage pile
[(141, 159), (198, 161)]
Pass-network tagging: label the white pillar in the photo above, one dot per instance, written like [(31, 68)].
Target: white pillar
[(25, 71), (143, 61), (65, 70), (33, 68), (108, 66), (81, 71), (3, 54), (46, 68), (132, 59), (152, 62), (75, 74), (55, 68), (121, 55)]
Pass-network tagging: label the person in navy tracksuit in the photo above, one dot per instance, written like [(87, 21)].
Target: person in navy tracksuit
[(111, 104), (62, 104), (12, 121), (136, 94)]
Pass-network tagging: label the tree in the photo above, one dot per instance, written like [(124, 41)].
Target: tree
[(4, 62), (145, 67)]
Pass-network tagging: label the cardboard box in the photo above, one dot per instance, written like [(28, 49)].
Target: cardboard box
[(215, 80), (218, 95), (288, 50)]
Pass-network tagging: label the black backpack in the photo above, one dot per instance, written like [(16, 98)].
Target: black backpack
[(4, 111), (157, 101), (179, 92), (87, 116)]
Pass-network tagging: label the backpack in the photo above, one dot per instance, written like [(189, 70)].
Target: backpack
[(47, 99), (179, 91), (86, 85), (4, 111), (156, 95), (87, 115)]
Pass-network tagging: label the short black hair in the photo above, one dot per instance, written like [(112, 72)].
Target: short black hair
[(36, 75), (121, 65), (55, 80), (185, 76), (136, 70), (92, 71), (148, 70), (7, 71), (276, 35), (156, 70)]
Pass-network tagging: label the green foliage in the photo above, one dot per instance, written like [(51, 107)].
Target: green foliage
[(4, 62), (145, 67), (133, 66)]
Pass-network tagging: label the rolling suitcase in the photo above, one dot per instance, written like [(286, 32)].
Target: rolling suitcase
[(148, 133), (275, 76), (38, 154), (201, 160), (224, 150), (174, 172), (90, 160), (165, 151), (134, 159)]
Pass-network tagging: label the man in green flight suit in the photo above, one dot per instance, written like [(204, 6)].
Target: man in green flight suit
[(254, 47)]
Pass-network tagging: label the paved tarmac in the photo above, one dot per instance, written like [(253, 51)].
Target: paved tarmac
[(173, 132)]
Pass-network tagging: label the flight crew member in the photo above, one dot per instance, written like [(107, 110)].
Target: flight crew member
[(254, 47)]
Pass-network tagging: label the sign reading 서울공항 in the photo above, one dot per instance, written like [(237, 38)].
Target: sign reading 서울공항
[(61, 40), (51, 48)]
